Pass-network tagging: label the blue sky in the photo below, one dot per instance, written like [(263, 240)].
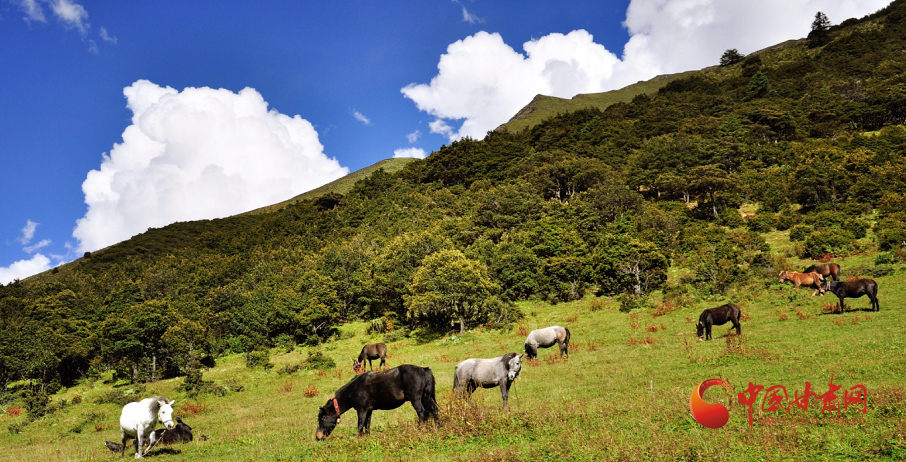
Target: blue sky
[(119, 116)]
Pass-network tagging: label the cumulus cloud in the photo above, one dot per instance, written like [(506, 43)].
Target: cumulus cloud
[(24, 268), (361, 117), (417, 153), (199, 153), (482, 81)]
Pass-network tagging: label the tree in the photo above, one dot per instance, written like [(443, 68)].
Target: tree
[(820, 31), (449, 287), (731, 57), (710, 180)]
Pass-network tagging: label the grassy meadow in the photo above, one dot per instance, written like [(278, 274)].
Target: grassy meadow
[(623, 394)]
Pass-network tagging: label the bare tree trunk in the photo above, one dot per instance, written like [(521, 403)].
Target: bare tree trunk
[(462, 326)]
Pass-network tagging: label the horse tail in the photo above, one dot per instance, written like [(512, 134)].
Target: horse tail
[(456, 379), (566, 340)]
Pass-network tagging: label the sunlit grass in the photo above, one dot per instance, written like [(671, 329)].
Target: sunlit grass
[(622, 395)]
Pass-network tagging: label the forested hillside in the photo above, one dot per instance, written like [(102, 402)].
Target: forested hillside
[(641, 199)]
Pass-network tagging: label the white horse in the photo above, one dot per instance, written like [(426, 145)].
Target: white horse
[(139, 419), (545, 338), (488, 373)]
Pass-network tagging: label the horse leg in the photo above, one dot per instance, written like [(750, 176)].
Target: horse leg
[(505, 391), (152, 439), (123, 441), (383, 362), (737, 326), (420, 411), (707, 331), (364, 417), (139, 441)]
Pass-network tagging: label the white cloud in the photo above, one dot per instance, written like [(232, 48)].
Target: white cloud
[(71, 14), (28, 232), (361, 117), (466, 16), (482, 81), (24, 268), (39, 245), (33, 11), (417, 153), (414, 136), (198, 153), (107, 37)]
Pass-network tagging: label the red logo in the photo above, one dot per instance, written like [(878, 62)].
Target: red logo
[(711, 415)]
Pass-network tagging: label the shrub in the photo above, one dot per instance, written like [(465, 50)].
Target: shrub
[(830, 242), (255, 359), (36, 403), (886, 258), (761, 222), (800, 232), (319, 360), (890, 233)]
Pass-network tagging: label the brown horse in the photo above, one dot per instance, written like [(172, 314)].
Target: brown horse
[(826, 269), (811, 279), (370, 351)]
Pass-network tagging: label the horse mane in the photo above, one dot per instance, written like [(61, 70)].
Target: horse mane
[(506, 359), (156, 401), (342, 390)]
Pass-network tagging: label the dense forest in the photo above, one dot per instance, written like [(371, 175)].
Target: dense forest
[(807, 136)]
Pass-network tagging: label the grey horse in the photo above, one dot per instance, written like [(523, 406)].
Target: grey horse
[(545, 338), (487, 373)]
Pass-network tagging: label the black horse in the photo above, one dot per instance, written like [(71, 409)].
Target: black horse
[(717, 316), (382, 391), (827, 269), (854, 289), (369, 352)]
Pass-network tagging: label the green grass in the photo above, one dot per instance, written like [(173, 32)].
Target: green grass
[(622, 395), (544, 107), (341, 186)]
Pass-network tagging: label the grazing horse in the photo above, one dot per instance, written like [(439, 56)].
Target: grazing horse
[(369, 352), (812, 279), (826, 269), (487, 373), (382, 391), (138, 420), (545, 338), (181, 433), (854, 289), (717, 317)]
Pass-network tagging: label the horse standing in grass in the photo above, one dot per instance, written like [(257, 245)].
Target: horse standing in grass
[(545, 338), (812, 279), (138, 420), (370, 351), (380, 391), (717, 316), (854, 289), (825, 269), (488, 373)]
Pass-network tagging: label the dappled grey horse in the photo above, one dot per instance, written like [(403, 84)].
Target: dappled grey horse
[(487, 373), (545, 338)]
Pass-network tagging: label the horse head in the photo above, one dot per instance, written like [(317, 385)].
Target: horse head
[(357, 364), (513, 366), (165, 413), (784, 276), (328, 418)]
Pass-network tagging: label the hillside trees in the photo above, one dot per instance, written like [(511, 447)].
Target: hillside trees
[(449, 287)]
